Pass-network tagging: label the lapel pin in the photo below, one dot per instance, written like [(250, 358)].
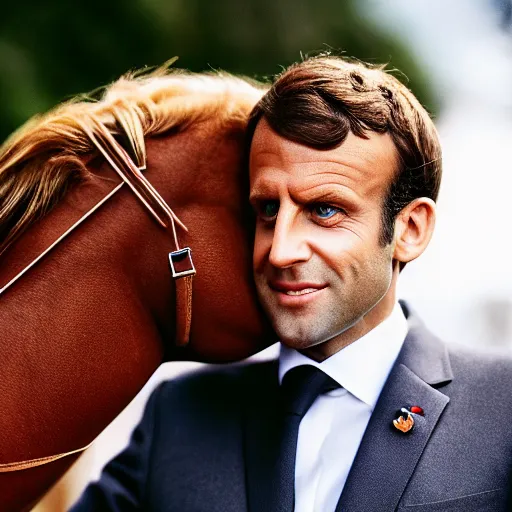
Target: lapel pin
[(404, 421)]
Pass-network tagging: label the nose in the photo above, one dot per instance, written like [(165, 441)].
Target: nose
[(289, 241)]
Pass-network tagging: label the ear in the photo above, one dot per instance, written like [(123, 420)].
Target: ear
[(414, 227)]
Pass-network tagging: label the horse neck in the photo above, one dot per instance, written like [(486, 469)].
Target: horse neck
[(79, 339)]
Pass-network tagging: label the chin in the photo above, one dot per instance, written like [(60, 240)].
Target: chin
[(296, 340)]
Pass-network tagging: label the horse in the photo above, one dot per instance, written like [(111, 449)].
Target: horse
[(90, 300)]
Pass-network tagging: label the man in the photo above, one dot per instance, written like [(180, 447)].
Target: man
[(345, 167)]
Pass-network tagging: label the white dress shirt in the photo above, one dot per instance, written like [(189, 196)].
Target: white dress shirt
[(331, 431)]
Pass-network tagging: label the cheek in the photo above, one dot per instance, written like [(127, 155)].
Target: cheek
[(350, 254), (376, 269), (345, 248), (262, 245)]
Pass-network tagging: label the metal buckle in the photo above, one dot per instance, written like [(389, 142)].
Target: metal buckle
[(180, 259)]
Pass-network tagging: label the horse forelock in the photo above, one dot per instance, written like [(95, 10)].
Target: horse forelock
[(40, 161)]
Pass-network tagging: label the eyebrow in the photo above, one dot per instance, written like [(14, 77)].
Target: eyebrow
[(262, 190), (328, 196), (258, 197), (325, 193), (324, 196)]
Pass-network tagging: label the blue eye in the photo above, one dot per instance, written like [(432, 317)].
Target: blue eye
[(325, 211), (269, 208)]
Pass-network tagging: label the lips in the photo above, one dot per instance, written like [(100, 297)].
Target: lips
[(296, 295), (300, 292), (295, 288)]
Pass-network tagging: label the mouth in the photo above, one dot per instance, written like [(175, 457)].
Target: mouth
[(295, 294), (300, 292)]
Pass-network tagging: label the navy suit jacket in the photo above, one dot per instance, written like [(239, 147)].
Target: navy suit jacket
[(203, 442)]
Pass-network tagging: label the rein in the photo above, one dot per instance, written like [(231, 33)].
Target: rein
[(180, 260)]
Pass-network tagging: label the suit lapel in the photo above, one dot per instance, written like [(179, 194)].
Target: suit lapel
[(386, 458), (261, 435)]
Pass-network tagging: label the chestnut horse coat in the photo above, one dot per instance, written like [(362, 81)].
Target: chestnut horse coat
[(84, 329), (202, 442)]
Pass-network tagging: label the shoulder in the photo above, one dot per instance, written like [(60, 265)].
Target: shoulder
[(438, 362), (189, 416), (481, 364), (213, 385), (481, 379)]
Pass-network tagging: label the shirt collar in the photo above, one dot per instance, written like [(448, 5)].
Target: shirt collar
[(363, 366)]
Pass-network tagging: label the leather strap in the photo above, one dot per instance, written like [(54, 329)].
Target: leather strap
[(32, 463), (183, 309)]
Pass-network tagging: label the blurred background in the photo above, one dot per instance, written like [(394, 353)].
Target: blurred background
[(55, 49), (455, 56)]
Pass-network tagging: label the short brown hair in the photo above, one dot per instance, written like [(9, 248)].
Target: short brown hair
[(317, 102)]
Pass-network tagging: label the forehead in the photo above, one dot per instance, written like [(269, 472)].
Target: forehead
[(365, 166)]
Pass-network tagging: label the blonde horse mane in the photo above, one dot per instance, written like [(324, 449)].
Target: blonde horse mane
[(44, 157)]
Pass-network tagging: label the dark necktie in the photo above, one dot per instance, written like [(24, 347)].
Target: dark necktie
[(299, 389)]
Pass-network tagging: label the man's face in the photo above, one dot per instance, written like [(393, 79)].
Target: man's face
[(320, 270)]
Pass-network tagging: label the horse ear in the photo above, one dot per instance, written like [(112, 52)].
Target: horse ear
[(414, 227)]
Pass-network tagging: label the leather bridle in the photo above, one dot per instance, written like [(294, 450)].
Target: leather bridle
[(180, 260)]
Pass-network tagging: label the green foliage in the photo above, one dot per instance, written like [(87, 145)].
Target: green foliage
[(52, 50)]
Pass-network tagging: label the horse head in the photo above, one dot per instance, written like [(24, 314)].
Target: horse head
[(85, 327)]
